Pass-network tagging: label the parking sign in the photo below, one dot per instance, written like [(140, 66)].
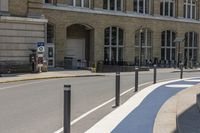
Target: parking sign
[(40, 47)]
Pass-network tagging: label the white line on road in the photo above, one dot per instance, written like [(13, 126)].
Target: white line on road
[(103, 104)]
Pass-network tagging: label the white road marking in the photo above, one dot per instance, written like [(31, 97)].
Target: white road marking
[(109, 122), (59, 131), (192, 80), (103, 104), (179, 85)]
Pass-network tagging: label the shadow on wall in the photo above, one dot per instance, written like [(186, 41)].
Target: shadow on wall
[(189, 121)]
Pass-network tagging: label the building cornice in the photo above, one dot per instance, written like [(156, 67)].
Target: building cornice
[(23, 19), (99, 11)]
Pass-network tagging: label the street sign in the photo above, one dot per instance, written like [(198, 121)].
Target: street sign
[(40, 47)]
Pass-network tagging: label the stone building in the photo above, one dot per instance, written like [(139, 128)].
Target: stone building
[(19, 34), (116, 31)]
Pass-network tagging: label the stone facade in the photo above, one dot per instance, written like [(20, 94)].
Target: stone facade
[(95, 19)]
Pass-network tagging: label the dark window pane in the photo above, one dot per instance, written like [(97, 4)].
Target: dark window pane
[(86, 3), (135, 5), (195, 40), (147, 6), (148, 38), (121, 37), (112, 4), (119, 5), (168, 38), (188, 11), (142, 38), (105, 4), (195, 55), (184, 12), (171, 9), (173, 38), (173, 54), (163, 38), (193, 12), (114, 35), (168, 54), (107, 36), (162, 54), (166, 8), (161, 8), (120, 58), (114, 54), (106, 54), (141, 6), (190, 39)]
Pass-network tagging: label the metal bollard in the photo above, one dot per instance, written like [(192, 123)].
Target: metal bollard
[(181, 74), (67, 108), (136, 79), (155, 73), (117, 86)]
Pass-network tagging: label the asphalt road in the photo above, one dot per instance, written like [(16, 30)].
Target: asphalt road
[(37, 106)]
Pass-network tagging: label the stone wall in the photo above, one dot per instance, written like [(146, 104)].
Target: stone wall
[(17, 37)]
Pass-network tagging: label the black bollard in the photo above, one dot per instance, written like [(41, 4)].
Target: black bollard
[(136, 79), (117, 86), (181, 74), (67, 108), (155, 73)]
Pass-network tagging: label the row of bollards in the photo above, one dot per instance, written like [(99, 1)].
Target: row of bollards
[(67, 95)]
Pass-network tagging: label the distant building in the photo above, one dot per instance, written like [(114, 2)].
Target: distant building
[(111, 31)]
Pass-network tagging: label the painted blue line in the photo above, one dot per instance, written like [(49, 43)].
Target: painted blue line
[(141, 120)]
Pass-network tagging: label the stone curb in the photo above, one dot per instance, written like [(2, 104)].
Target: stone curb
[(54, 77)]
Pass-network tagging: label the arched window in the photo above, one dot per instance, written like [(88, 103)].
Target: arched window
[(50, 33), (143, 44), (115, 5), (167, 8), (191, 43), (80, 3), (142, 6), (190, 9), (168, 48), (113, 45)]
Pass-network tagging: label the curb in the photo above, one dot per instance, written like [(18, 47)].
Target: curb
[(55, 77), (186, 71)]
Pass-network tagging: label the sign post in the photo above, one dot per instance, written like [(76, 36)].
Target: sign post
[(40, 54)]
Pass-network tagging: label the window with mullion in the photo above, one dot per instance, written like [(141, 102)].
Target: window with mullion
[(167, 8), (113, 45), (143, 44), (191, 46), (190, 9), (142, 6), (168, 45), (82, 3), (114, 5)]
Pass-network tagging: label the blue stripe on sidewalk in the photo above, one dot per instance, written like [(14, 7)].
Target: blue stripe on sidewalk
[(141, 120)]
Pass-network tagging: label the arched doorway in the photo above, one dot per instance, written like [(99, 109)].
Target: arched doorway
[(79, 45)]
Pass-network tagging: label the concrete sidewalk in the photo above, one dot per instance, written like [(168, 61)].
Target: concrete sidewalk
[(45, 75), (61, 73)]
